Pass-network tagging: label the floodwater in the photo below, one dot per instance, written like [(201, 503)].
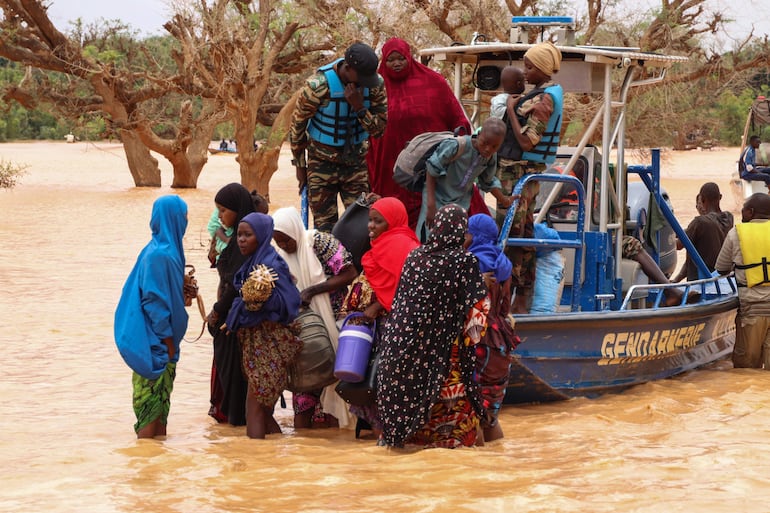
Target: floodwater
[(71, 232)]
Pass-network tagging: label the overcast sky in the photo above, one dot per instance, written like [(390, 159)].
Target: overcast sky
[(148, 16)]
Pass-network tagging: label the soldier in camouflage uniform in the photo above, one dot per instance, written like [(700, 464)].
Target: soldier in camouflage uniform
[(338, 108), (534, 122)]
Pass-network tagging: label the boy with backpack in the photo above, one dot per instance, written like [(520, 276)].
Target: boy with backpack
[(453, 168)]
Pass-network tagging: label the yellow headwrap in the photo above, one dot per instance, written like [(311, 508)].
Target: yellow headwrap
[(545, 56)]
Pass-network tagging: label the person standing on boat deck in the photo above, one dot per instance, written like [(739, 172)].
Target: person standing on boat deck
[(419, 101), (338, 109), (426, 392), (150, 319), (746, 249), (323, 269), (538, 139), (266, 331), (707, 231), (747, 163), (450, 179)]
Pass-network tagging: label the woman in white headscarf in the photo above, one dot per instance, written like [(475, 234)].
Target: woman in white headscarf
[(323, 269)]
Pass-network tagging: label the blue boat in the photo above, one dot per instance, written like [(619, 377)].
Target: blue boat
[(608, 331)]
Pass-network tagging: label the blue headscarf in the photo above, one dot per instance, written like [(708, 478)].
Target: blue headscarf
[(151, 306), (283, 304), (484, 246)]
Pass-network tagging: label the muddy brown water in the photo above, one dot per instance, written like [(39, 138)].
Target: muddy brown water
[(71, 232)]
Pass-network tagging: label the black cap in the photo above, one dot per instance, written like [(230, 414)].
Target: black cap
[(362, 58)]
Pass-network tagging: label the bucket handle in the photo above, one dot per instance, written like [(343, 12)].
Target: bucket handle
[(353, 315)]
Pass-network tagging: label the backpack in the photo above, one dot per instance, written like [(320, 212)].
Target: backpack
[(409, 170), (313, 367)]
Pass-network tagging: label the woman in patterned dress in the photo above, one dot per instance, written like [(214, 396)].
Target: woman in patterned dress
[(426, 394), (266, 332), (494, 353)]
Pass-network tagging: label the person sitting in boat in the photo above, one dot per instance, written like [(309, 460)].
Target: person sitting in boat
[(747, 166), (223, 145), (745, 249), (569, 199), (707, 231)]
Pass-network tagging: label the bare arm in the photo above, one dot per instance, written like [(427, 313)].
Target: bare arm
[(430, 189), (332, 283)]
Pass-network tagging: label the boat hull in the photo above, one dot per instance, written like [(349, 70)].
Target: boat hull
[(587, 354)]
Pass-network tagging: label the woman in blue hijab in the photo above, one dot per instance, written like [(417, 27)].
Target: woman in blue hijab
[(266, 331), (494, 353), (151, 320)]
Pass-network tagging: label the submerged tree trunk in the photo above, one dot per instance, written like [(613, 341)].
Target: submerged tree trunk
[(198, 153), (263, 163), (143, 166), (266, 161), (199, 129)]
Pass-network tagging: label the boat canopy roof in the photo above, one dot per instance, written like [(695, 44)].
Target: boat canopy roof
[(582, 67)]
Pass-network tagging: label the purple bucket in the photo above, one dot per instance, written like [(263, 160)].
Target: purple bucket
[(353, 350)]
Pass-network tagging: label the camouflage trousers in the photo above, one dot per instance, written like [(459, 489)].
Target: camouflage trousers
[(328, 179), (522, 258)]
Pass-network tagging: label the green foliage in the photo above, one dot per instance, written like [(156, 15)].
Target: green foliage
[(91, 128), (109, 56), (732, 110), (10, 173), (224, 131)]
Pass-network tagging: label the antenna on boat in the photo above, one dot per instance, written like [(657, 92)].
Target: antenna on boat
[(522, 25)]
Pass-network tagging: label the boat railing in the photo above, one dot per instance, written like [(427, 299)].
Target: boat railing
[(574, 240), (714, 286)]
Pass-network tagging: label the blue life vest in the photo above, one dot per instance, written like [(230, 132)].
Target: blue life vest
[(545, 150), (335, 122)]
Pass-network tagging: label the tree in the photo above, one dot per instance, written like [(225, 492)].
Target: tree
[(250, 57), (107, 71)]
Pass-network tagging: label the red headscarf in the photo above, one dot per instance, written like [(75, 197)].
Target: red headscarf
[(383, 263), (419, 100)]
